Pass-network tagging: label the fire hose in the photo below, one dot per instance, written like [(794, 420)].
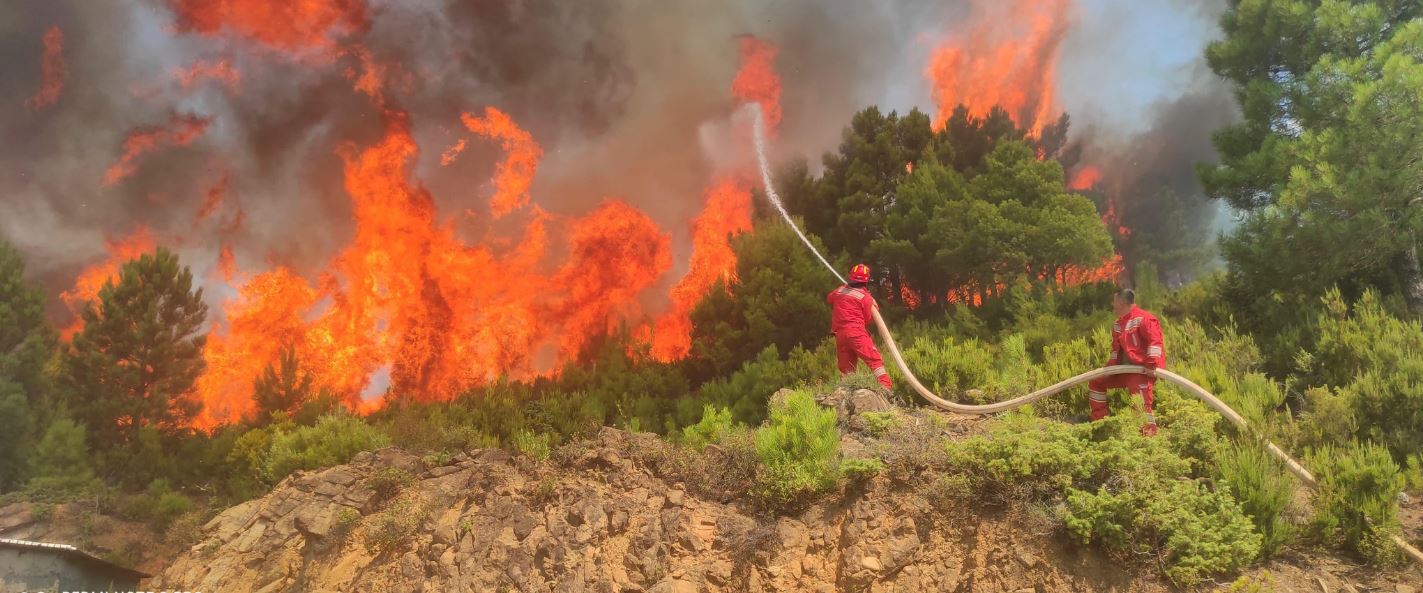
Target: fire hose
[(1185, 384)]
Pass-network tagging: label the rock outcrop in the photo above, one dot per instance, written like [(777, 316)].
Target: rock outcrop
[(598, 517)]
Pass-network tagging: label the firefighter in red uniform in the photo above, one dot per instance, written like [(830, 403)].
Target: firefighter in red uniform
[(851, 308), (1136, 339)]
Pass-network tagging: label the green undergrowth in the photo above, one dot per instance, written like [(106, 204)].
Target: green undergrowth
[(1132, 495)]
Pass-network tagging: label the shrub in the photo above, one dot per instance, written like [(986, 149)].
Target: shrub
[(715, 422), (346, 520), (1261, 583), (42, 512), (388, 482), (1371, 357), (186, 529), (1356, 501), (798, 450), (879, 423), (859, 470), (534, 446), (333, 440), (1124, 491), (1264, 488), (392, 528), (158, 506), (59, 465), (1200, 532)]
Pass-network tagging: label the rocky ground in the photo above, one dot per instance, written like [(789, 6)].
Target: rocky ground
[(613, 513)]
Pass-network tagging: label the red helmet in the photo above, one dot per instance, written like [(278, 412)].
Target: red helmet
[(860, 273)]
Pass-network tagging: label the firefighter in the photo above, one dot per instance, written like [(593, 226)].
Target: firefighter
[(1136, 339), (851, 309)]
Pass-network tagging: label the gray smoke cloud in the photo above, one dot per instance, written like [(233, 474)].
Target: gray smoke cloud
[(629, 99)]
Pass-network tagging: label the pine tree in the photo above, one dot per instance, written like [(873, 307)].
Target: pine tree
[(282, 387), (135, 362), (26, 344), (1325, 164)]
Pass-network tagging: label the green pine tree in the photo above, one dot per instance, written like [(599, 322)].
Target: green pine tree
[(26, 344), (1325, 164), (136, 360)]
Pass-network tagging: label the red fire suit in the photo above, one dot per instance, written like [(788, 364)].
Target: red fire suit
[(850, 310), (1136, 339)]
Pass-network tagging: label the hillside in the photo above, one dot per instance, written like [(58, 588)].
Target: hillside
[(621, 511)]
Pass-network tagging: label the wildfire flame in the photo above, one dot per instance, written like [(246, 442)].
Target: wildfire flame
[(1085, 178), (287, 26), (92, 279), (521, 159), (757, 81), (53, 71), (203, 70), (452, 153), (727, 213), (1007, 59), (180, 130), (408, 297), (214, 197)]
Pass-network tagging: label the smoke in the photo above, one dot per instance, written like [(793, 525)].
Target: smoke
[(621, 95)]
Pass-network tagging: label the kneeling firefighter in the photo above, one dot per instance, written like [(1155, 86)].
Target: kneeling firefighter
[(851, 309)]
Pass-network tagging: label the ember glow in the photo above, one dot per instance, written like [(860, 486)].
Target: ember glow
[(1006, 58), (53, 71)]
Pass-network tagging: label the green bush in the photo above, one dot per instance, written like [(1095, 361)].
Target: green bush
[(1122, 490), (59, 465), (534, 446), (1371, 357), (1199, 532), (1262, 583), (42, 512), (1356, 501), (879, 423), (859, 470), (715, 422), (332, 441), (798, 450), (158, 505), (1264, 488)]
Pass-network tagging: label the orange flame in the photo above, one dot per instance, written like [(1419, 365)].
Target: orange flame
[(757, 79), (1009, 68), (53, 71), (92, 279), (1085, 178), (452, 153), (201, 70), (407, 297), (289, 25), (226, 264), (727, 214), (521, 159), (215, 196), (181, 130)]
